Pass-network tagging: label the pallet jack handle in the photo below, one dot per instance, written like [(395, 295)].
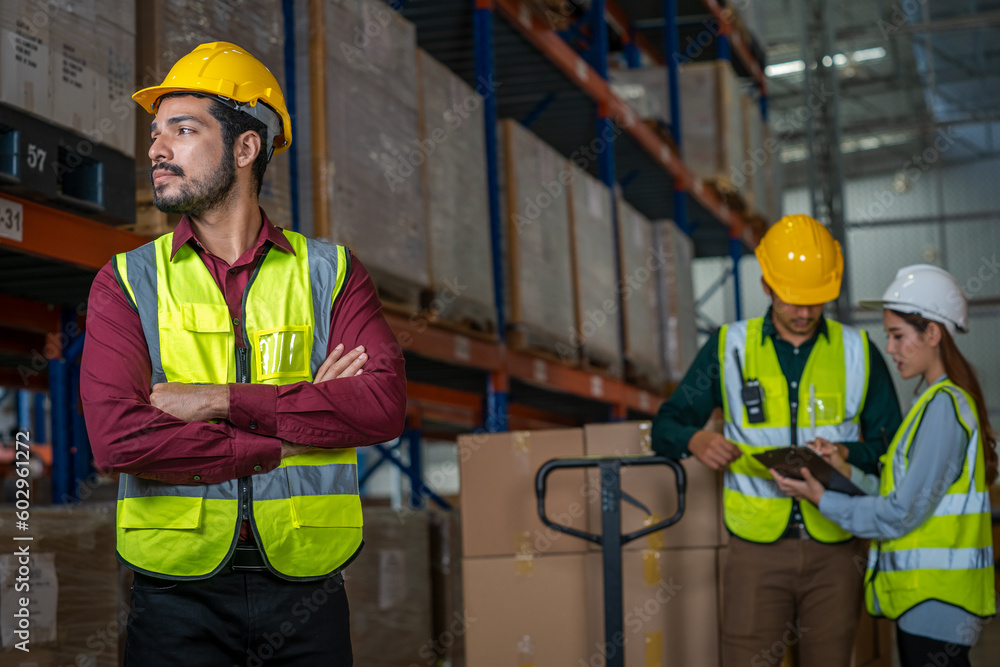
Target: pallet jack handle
[(611, 539)]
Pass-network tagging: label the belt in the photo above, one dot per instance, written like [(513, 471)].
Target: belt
[(247, 558), (795, 531)]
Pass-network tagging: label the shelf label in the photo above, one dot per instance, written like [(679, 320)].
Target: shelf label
[(643, 400), (540, 370), (665, 155), (11, 220), (463, 349), (581, 69), (596, 385)]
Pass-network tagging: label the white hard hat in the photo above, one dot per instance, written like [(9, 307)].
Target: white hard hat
[(928, 291)]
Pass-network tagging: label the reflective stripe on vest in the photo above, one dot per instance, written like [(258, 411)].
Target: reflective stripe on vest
[(837, 369), (306, 513), (949, 557)]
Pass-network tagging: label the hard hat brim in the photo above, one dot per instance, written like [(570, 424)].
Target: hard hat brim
[(799, 296), (147, 98)]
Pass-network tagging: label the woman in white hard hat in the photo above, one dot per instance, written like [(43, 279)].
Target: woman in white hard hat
[(930, 566)]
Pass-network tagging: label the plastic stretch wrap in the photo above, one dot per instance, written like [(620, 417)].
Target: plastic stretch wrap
[(538, 253), (458, 208), (640, 263)]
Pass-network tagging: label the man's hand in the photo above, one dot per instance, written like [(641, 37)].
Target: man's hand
[(340, 365), (291, 449), (808, 488), (713, 449), (191, 402)]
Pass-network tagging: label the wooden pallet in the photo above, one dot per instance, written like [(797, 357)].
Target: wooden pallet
[(601, 363), (397, 295), (528, 339), (466, 316), (645, 376)]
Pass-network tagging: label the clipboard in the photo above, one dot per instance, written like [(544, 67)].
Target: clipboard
[(788, 461)]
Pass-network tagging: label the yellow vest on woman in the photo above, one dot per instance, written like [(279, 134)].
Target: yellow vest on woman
[(949, 557)]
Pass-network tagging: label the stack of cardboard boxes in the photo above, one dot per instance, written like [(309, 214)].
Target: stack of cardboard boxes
[(537, 594)]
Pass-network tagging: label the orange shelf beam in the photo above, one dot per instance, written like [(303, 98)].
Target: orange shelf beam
[(61, 236), (417, 335), (617, 15), (28, 315), (611, 106)]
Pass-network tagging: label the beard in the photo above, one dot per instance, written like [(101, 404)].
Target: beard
[(195, 197)]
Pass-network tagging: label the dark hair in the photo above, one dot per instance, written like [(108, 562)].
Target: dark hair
[(233, 124), (960, 372)]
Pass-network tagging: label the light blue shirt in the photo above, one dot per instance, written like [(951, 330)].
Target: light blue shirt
[(935, 462)]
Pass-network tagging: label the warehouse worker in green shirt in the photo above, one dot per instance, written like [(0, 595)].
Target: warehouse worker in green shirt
[(792, 577)]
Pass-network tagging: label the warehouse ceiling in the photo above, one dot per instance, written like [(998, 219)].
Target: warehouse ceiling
[(910, 71)]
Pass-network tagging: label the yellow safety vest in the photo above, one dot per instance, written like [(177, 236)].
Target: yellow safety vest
[(837, 369), (305, 514), (949, 557)]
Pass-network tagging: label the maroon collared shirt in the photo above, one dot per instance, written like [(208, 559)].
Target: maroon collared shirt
[(129, 435)]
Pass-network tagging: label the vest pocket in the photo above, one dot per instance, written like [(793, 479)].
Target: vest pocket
[(161, 512), (324, 496), (829, 409), (194, 340), (282, 353)]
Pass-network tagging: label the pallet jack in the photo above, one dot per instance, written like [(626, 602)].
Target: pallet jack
[(611, 539)]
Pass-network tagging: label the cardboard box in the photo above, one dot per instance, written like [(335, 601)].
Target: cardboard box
[(654, 486), (74, 53), (499, 510), (640, 265), (25, 67), (530, 612), (670, 607), (115, 122), (645, 90), (675, 294), (73, 591), (389, 588)]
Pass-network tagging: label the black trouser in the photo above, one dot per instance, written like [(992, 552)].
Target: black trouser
[(917, 651), (241, 619)]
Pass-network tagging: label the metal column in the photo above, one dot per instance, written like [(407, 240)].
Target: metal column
[(496, 390), (671, 49), (826, 171)]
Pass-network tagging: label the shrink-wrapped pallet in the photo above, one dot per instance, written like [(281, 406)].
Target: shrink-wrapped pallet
[(678, 326), (591, 217), (639, 264), (538, 242), (374, 180), (712, 121), (645, 90), (457, 203)]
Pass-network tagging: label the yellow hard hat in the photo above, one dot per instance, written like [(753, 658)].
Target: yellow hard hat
[(801, 261), (226, 72)]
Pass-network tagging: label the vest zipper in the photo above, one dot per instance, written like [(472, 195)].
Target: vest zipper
[(243, 375)]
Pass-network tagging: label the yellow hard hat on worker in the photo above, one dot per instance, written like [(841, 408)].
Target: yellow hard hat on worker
[(801, 261), (226, 72)]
